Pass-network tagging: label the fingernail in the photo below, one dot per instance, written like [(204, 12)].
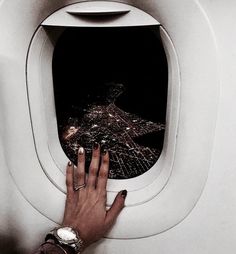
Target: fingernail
[(95, 145), (81, 150), (69, 163), (104, 151), (124, 194)]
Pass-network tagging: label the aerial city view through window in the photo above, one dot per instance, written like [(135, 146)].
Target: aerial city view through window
[(111, 87)]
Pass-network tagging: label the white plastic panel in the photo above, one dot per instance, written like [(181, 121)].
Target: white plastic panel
[(213, 219), (186, 25), (110, 13), (101, 9), (52, 158)]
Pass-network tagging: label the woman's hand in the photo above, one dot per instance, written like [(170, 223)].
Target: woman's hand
[(85, 208)]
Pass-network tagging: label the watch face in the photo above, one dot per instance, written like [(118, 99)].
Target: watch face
[(66, 234)]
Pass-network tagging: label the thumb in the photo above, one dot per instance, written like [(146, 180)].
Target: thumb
[(116, 207)]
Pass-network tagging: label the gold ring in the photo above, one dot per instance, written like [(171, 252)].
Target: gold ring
[(81, 186)]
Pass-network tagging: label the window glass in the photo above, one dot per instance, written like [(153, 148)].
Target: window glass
[(110, 86)]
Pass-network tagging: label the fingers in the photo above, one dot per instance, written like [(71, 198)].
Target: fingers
[(80, 172), (94, 165), (116, 208), (69, 177), (103, 172)]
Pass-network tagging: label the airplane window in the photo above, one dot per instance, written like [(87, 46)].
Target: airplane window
[(110, 86)]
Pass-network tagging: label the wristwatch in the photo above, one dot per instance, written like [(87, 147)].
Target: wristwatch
[(66, 236)]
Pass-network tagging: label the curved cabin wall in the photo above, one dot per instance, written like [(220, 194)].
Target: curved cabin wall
[(40, 75), (160, 198)]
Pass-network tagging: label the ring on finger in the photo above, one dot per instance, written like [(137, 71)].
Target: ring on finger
[(78, 187)]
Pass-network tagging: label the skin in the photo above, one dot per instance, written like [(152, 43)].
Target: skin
[(85, 209)]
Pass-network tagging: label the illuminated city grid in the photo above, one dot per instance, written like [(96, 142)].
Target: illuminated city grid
[(118, 131)]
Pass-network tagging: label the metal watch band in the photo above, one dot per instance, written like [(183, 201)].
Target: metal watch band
[(77, 246)]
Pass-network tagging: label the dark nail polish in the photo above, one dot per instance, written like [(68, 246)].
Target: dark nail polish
[(95, 145), (124, 194), (69, 163), (104, 151)]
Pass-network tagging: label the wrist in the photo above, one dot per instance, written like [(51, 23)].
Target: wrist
[(67, 238)]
